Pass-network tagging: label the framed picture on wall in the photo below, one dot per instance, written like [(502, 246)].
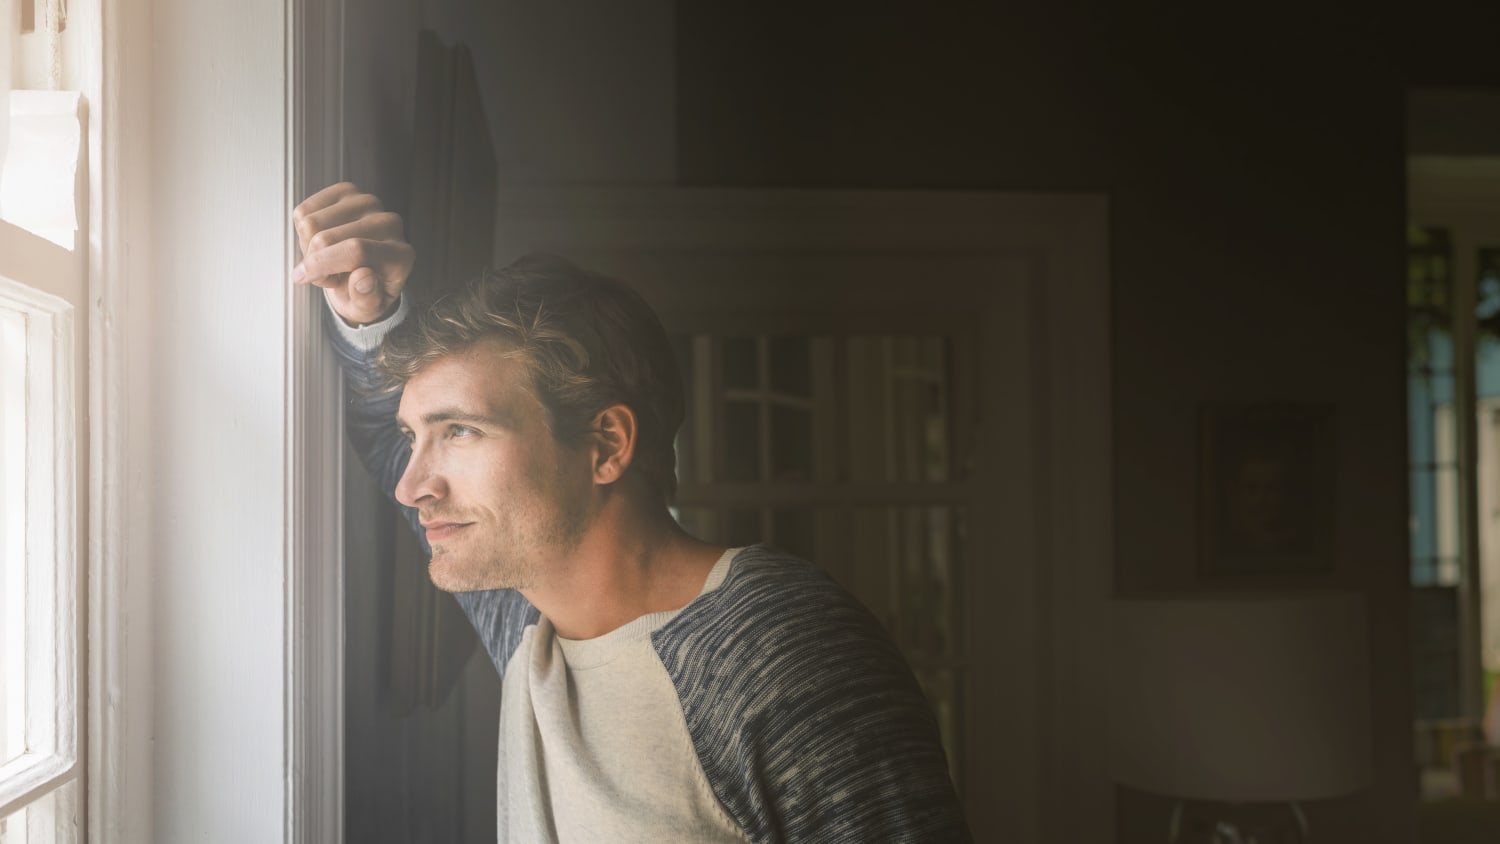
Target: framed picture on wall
[(1266, 490)]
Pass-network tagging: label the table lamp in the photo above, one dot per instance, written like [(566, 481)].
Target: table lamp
[(1240, 707)]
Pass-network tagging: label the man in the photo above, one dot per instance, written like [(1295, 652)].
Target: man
[(654, 687)]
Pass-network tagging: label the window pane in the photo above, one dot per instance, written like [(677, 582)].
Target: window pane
[(741, 365), (898, 405), (52, 819), (12, 533), (791, 366), (1430, 389), (741, 441), (791, 444)]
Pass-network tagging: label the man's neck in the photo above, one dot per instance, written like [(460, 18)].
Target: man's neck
[(633, 560)]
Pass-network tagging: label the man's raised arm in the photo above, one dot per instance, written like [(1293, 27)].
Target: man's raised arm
[(357, 252)]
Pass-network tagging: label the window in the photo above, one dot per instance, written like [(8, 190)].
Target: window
[(1453, 421), (42, 397), (39, 655)]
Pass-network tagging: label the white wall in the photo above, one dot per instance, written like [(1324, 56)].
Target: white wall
[(206, 374)]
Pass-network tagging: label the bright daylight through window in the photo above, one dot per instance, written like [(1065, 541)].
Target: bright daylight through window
[(12, 533), (42, 404)]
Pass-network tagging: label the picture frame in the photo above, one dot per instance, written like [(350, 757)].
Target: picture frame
[(1267, 479)]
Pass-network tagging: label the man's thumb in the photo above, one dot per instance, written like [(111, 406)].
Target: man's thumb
[(364, 289)]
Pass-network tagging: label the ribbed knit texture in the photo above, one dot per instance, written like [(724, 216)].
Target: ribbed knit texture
[(806, 719)]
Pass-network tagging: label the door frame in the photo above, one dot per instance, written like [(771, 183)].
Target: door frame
[(1058, 788)]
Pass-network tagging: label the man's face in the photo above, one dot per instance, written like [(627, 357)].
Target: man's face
[(499, 497)]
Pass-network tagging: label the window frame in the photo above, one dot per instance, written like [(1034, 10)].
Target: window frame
[(1450, 193), (54, 650)]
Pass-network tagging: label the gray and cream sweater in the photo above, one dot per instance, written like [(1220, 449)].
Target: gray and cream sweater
[(772, 708)]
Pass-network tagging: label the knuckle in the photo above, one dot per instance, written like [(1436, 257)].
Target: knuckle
[(359, 253), (318, 241)]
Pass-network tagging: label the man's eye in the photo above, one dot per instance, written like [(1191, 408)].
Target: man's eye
[(409, 436), (458, 431)]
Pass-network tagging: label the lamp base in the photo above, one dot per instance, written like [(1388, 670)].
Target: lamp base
[(1237, 823)]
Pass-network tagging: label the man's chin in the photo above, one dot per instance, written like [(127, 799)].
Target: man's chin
[(454, 575)]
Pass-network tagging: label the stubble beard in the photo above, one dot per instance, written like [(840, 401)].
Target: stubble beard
[(512, 555)]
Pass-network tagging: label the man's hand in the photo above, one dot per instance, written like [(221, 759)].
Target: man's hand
[(353, 248)]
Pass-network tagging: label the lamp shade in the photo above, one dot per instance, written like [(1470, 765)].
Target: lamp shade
[(1242, 699)]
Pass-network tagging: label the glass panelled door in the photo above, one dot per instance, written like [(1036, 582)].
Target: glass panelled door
[(849, 449)]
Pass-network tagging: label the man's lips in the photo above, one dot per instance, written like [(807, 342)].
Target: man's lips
[(438, 531)]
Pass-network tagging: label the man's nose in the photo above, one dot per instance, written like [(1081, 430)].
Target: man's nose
[(420, 483)]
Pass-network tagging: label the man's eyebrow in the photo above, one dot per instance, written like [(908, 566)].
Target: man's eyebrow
[(455, 415)]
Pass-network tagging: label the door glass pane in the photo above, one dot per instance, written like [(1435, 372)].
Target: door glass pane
[(741, 441), (791, 444), (897, 396), (791, 366), (741, 363), (844, 418), (906, 564), (798, 409), (12, 533)]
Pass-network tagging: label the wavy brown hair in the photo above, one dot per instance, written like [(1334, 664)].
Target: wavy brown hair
[(588, 342)]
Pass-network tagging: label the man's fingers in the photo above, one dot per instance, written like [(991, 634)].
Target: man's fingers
[(343, 257), (391, 260), (322, 199), (300, 276), (349, 209), (384, 225)]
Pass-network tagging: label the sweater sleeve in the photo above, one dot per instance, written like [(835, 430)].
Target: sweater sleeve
[(807, 721), (498, 615)]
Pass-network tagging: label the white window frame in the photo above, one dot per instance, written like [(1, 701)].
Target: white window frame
[(32, 274)]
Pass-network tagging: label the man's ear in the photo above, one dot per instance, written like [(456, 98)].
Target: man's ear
[(614, 443)]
